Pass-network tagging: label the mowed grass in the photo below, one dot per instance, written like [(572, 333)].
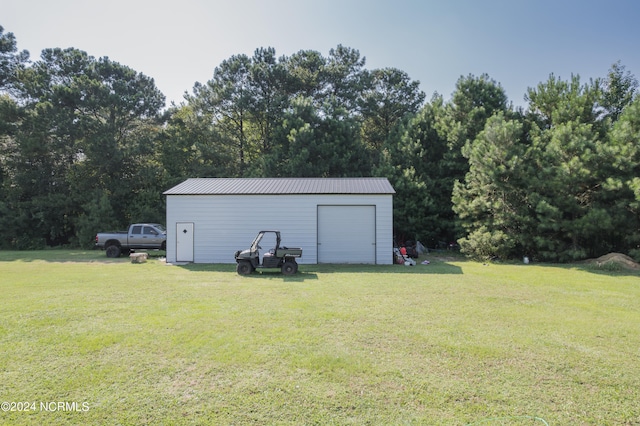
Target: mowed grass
[(451, 343)]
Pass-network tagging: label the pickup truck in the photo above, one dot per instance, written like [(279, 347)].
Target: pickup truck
[(139, 236)]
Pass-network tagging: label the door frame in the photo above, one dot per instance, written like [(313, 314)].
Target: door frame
[(185, 228), (375, 228)]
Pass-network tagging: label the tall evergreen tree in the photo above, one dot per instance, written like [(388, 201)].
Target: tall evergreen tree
[(226, 100), (344, 78), (571, 223), (389, 98), (319, 143), (474, 101), (619, 90), (492, 202), (559, 101), (413, 161), (568, 154), (11, 60), (625, 182), (85, 133), (189, 146), (306, 72)]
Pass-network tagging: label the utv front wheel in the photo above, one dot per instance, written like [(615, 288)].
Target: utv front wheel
[(289, 267), (244, 268)]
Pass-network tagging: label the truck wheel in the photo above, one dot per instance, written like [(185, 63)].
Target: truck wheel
[(113, 251), (289, 267), (244, 268)]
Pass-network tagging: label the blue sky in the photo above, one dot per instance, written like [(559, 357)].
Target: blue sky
[(517, 43)]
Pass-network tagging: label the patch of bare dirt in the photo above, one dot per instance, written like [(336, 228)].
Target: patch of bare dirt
[(616, 259)]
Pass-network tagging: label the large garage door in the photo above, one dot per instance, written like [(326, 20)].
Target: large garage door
[(346, 234)]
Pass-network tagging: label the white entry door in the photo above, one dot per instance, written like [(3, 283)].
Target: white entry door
[(184, 242), (347, 234)]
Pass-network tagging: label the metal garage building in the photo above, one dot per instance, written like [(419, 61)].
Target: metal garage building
[(334, 220)]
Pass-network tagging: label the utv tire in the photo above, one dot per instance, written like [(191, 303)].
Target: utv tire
[(289, 267), (113, 251), (244, 268)]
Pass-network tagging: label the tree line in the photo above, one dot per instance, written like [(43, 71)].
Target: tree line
[(86, 144)]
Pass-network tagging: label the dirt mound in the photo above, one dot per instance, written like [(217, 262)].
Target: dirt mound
[(616, 259)]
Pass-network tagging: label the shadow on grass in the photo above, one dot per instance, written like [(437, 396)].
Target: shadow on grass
[(65, 255), (262, 274), (607, 269), (310, 271), (300, 276), (610, 270), (434, 267), (439, 264)]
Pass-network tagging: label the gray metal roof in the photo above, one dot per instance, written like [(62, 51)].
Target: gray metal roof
[(280, 186)]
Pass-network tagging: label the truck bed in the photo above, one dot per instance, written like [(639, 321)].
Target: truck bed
[(289, 251)]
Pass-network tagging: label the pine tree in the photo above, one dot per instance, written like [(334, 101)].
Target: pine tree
[(491, 203)]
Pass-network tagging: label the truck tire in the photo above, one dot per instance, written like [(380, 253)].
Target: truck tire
[(113, 251), (289, 267), (244, 268)]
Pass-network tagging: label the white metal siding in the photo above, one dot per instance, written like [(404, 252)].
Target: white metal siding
[(347, 234), (226, 223)]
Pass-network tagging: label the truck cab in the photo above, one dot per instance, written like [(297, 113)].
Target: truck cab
[(146, 235)]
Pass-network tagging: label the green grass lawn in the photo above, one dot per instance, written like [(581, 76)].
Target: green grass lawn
[(451, 343)]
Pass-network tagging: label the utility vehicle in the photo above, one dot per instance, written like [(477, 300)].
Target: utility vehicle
[(277, 257)]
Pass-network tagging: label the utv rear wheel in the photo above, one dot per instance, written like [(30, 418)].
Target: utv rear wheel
[(244, 268), (113, 251), (289, 267)]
